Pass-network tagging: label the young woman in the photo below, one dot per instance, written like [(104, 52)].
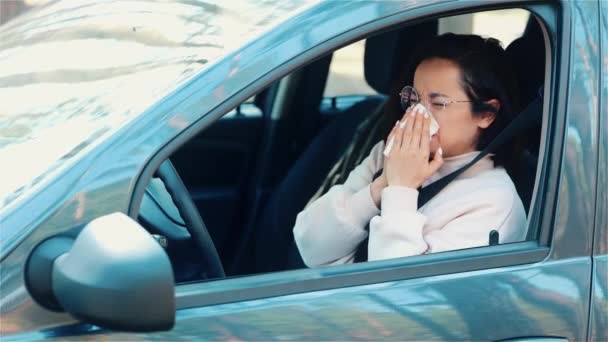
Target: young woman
[(466, 85)]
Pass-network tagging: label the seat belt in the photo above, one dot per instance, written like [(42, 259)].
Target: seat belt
[(527, 119)]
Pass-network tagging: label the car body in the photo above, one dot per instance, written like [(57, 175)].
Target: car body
[(552, 287)]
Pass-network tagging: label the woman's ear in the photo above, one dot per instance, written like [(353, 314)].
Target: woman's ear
[(486, 119)]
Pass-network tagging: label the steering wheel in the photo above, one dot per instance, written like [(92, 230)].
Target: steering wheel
[(192, 220)]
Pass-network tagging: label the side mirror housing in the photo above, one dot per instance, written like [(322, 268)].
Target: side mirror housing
[(114, 275)]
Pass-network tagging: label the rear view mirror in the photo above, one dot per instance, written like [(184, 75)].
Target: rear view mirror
[(114, 275)]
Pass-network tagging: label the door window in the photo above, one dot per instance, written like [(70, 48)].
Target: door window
[(267, 248)]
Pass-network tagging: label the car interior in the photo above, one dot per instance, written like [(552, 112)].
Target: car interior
[(243, 180)]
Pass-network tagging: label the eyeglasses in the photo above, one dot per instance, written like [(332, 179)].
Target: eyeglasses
[(409, 97)]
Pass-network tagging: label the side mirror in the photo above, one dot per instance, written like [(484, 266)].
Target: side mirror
[(114, 275)]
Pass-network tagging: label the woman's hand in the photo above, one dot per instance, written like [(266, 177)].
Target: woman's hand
[(408, 163), (376, 188)]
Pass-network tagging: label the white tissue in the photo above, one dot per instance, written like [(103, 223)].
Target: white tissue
[(433, 129)]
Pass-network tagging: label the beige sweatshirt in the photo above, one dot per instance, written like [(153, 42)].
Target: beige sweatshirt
[(462, 215)]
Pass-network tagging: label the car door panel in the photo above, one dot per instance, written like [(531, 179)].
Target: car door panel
[(461, 306), (512, 302)]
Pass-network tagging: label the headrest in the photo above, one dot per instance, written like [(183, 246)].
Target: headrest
[(527, 55), (388, 53)]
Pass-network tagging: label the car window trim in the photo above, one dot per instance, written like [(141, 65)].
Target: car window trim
[(252, 287)]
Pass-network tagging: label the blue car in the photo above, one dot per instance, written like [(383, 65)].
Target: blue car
[(155, 155)]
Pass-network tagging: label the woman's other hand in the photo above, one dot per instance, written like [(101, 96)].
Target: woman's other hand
[(407, 163), (376, 189)]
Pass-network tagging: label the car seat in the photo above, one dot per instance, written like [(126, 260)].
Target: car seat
[(527, 55)]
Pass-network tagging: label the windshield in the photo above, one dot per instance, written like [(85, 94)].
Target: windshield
[(73, 72)]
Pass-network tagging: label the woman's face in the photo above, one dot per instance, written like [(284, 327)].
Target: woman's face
[(458, 129)]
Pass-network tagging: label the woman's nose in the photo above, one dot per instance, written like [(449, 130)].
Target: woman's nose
[(426, 102)]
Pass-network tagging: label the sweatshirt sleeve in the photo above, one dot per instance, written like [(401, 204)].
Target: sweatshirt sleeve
[(329, 230), (399, 230)]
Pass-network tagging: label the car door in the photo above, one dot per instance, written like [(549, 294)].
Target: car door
[(535, 288), (538, 288)]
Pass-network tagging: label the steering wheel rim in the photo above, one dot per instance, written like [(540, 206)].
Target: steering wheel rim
[(192, 219)]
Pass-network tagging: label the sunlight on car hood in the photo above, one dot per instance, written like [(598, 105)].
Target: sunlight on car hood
[(72, 72)]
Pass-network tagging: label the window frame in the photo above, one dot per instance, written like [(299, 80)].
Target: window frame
[(555, 21)]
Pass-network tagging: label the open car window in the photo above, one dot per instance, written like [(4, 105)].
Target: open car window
[(251, 221)]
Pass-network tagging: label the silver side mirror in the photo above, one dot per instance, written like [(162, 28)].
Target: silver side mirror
[(114, 275)]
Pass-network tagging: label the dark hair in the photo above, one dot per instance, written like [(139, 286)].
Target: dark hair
[(486, 74)]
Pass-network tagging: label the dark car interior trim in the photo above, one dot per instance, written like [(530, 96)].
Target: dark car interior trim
[(208, 293)]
